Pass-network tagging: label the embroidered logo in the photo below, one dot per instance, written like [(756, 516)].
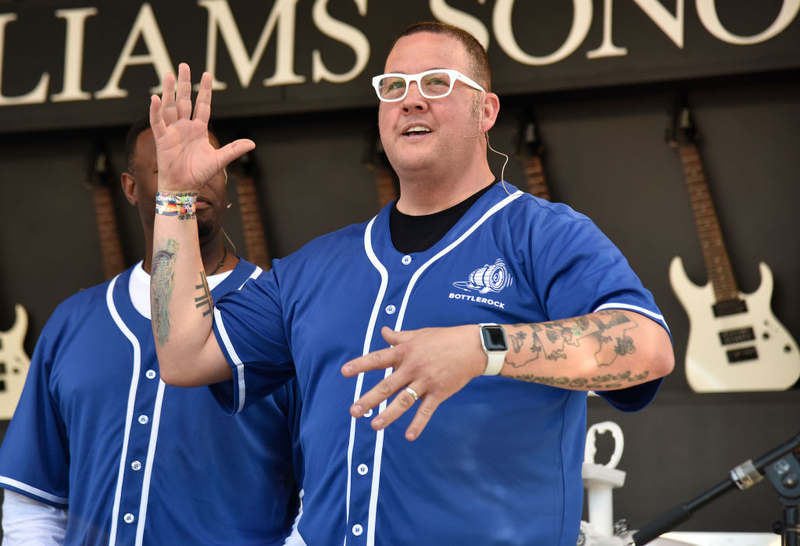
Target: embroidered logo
[(489, 278)]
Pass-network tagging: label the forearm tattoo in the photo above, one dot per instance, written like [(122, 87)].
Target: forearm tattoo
[(553, 341), (600, 382), (204, 299), (162, 287)]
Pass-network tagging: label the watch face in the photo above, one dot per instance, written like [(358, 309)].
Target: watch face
[(494, 338)]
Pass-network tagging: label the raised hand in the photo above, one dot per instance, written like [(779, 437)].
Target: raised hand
[(433, 363), (186, 159)]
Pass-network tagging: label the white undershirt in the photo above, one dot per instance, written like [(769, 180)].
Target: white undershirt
[(28, 522)]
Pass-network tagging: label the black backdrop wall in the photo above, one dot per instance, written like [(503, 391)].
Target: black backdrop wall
[(605, 155)]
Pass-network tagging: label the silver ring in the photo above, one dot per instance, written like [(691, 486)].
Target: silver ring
[(412, 392)]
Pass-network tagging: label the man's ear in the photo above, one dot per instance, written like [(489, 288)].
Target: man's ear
[(128, 183), (491, 107)]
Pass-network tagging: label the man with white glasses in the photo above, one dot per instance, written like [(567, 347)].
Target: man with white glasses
[(485, 311)]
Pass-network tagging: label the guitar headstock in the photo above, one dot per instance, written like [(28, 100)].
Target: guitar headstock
[(374, 155), (529, 151), (375, 159), (681, 130), (99, 172), (245, 166), (528, 142)]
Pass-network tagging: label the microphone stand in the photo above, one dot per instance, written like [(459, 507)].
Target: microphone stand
[(781, 467)]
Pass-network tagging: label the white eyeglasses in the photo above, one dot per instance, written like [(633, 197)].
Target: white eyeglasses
[(432, 84)]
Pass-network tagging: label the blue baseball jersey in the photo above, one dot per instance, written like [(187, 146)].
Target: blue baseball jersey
[(137, 461), (500, 461)]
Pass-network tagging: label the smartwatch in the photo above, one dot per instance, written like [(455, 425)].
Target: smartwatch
[(495, 345)]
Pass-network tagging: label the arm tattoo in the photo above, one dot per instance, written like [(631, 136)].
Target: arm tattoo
[(204, 299), (161, 288), (600, 382), (552, 340)]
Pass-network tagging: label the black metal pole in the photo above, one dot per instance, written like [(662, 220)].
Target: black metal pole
[(743, 476)]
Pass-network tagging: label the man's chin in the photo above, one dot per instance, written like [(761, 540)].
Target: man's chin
[(413, 159), (205, 230)]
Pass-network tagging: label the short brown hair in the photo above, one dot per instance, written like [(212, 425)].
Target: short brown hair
[(477, 54)]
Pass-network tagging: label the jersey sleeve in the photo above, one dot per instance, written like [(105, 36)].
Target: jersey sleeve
[(249, 327), (633, 398), (34, 455), (288, 400), (585, 273)]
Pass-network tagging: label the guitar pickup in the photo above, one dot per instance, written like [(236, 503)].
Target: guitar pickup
[(729, 307), (736, 336), (741, 355)]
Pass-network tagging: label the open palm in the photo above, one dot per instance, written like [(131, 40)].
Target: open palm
[(186, 159)]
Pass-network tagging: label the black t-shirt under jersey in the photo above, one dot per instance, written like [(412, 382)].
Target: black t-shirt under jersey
[(419, 233)]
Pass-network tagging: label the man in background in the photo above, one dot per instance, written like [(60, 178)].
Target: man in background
[(101, 451)]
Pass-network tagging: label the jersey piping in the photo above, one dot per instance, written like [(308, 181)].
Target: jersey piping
[(151, 453), (33, 490), (636, 308), (137, 362), (234, 357), (373, 258)]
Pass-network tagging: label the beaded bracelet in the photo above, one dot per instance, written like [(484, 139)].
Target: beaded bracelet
[(181, 204)]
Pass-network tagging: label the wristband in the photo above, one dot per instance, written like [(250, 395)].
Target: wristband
[(181, 204)]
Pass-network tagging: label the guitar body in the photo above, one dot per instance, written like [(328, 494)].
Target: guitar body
[(745, 351), (14, 363)]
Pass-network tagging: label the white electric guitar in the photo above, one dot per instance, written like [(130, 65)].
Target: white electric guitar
[(735, 341), (14, 364)]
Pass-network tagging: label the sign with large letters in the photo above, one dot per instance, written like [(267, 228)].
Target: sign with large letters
[(90, 63)]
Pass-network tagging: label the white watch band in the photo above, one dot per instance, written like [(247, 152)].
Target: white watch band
[(494, 363)]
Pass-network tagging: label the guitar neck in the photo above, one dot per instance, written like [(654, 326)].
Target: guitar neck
[(108, 230), (715, 254), (252, 226), (385, 186), (534, 173)]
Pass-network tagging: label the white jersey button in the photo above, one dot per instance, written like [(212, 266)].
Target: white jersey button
[(368, 414), (150, 374), (406, 259), (143, 419), (390, 309), (128, 518), (363, 469), (136, 465), (357, 530)]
